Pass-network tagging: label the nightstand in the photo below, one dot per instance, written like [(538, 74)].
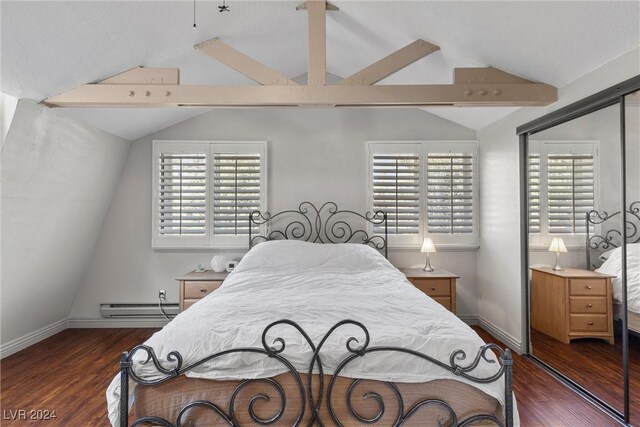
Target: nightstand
[(196, 285), (571, 304), (439, 285)]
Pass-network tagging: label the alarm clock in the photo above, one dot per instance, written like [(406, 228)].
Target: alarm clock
[(231, 265)]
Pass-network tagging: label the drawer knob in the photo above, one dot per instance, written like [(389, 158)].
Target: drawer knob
[(203, 290), (433, 289), (589, 305), (590, 323), (588, 287)]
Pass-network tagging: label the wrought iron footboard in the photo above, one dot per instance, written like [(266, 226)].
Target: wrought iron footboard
[(312, 401)]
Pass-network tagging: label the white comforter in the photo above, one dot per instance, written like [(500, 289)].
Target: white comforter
[(316, 286), (613, 266)]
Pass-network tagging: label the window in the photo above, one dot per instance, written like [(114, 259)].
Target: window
[(449, 193), (534, 192), (205, 191), (396, 191), (562, 189), (426, 188)]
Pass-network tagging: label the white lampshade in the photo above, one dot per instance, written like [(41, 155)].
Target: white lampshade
[(557, 245), (428, 246)]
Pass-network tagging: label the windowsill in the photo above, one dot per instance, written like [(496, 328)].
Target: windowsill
[(545, 248), (234, 249), (439, 248), (243, 249)]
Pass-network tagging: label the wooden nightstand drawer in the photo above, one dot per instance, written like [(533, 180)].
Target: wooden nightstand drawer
[(434, 287), (587, 287), (199, 289), (198, 284), (588, 323), (444, 301), (588, 305), (188, 303)]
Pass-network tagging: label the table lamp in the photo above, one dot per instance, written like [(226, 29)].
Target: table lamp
[(557, 246), (428, 247)]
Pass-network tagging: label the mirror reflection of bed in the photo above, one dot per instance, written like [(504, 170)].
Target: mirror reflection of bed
[(575, 257)]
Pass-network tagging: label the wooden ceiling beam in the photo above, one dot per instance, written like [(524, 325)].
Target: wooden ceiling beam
[(148, 76), (485, 75), (316, 73), (242, 63), (106, 95), (391, 63)]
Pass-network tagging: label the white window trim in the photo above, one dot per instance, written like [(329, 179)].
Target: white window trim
[(572, 241), (444, 242), (209, 240)]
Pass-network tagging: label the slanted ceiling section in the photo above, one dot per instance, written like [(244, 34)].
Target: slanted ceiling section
[(58, 177)]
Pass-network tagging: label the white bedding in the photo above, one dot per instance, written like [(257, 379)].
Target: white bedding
[(316, 286), (613, 266)]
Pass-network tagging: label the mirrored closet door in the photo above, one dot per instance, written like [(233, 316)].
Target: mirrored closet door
[(632, 195), (581, 177)]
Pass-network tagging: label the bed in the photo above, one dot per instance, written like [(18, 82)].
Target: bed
[(604, 255), (304, 332)]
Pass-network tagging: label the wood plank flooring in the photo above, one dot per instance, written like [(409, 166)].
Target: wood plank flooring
[(596, 365), (70, 371)]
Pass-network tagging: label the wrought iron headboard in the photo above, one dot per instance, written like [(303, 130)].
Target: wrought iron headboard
[(326, 224), (612, 237)]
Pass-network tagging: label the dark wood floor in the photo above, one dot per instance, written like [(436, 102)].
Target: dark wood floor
[(596, 365), (70, 371)]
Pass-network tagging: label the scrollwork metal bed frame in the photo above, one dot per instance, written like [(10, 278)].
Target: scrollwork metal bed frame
[(611, 237), (314, 401), (326, 224)]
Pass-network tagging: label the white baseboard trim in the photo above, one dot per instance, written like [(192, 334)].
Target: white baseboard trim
[(512, 342), (34, 337), (79, 322), (469, 319)]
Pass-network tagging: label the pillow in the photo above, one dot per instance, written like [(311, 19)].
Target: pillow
[(630, 248), (605, 255), (295, 254)]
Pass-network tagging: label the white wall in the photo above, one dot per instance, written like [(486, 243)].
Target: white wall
[(314, 154), (499, 266), (58, 177)]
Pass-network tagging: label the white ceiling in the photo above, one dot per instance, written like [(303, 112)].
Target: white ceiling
[(52, 46)]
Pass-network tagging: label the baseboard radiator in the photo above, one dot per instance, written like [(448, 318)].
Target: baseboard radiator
[(146, 311)]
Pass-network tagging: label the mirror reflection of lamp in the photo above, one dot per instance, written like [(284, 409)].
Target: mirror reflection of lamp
[(428, 247), (557, 246)]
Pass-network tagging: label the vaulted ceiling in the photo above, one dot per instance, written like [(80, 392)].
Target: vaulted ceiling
[(51, 46)]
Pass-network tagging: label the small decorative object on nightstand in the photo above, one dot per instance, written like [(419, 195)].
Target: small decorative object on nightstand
[(428, 247), (557, 246), (571, 304), (438, 284), (219, 263), (196, 285)]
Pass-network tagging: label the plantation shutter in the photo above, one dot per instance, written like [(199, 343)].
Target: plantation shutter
[(449, 193), (570, 186), (237, 192), (182, 194), (533, 168), (396, 191)]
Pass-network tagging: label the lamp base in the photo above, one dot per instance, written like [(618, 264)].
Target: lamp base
[(558, 267), (427, 265)]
